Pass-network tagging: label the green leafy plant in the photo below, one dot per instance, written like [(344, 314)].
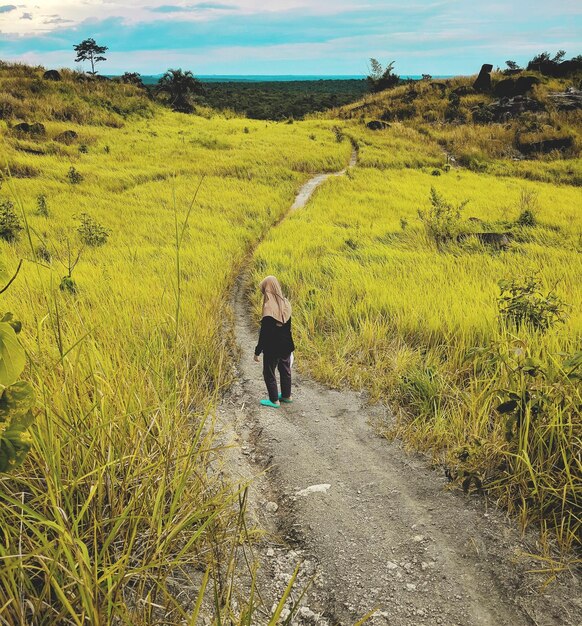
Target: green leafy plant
[(381, 78), (41, 205), (92, 233), (75, 177), (528, 208), (43, 253), (442, 220), (16, 396), (68, 284), (10, 225), (522, 302)]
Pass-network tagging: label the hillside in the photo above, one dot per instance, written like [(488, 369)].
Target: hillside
[(526, 119), (132, 241), (131, 224)]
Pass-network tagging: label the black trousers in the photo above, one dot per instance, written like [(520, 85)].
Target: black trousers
[(270, 366)]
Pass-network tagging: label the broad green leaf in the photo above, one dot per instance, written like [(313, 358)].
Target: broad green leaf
[(507, 407), (14, 446), (21, 423), (12, 356), (16, 401), (9, 319)]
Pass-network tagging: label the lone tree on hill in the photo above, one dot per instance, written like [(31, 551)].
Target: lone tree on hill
[(180, 87), (88, 50), (382, 78)]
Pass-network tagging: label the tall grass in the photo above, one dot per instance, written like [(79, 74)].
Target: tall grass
[(379, 307), (115, 511)]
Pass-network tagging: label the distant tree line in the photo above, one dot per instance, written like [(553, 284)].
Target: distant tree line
[(181, 90)]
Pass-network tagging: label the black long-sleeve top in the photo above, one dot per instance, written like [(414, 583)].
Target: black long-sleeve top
[(275, 339)]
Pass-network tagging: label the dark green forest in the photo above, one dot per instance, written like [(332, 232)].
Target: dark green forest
[(282, 99)]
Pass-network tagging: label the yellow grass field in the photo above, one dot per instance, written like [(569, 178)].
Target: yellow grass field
[(379, 307), (114, 497), (129, 344)]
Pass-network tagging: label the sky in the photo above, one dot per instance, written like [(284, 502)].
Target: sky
[(319, 37)]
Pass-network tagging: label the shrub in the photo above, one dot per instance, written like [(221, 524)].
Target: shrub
[(522, 302), (483, 114), (527, 218), (43, 254), (528, 207), (442, 220), (10, 225), (74, 176), (381, 78), (454, 112), (91, 232), (68, 284), (41, 205)]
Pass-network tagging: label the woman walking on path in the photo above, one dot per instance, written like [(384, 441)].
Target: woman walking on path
[(275, 342)]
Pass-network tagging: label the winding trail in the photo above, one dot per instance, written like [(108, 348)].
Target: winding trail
[(374, 525)]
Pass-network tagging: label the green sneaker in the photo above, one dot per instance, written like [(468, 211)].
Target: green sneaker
[(270, 404)]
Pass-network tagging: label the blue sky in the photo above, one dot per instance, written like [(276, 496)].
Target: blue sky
[(290, 36)]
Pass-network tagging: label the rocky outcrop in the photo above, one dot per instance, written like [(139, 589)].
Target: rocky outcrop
[(377, 125), (540, 145), (67, 136), (511, 87), (24, 128), (483, 82), (52, 75), (569, 100), (505, 109)]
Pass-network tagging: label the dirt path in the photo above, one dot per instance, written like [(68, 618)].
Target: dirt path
[(374, 526)]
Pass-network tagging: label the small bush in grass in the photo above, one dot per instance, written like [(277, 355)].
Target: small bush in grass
[(442, 220), (83, 148), (528, 208), (91, 232), (522, 302), (483, 114), (43, 254), (10, 225), (68, 285), (41, 205), (74, 176)]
